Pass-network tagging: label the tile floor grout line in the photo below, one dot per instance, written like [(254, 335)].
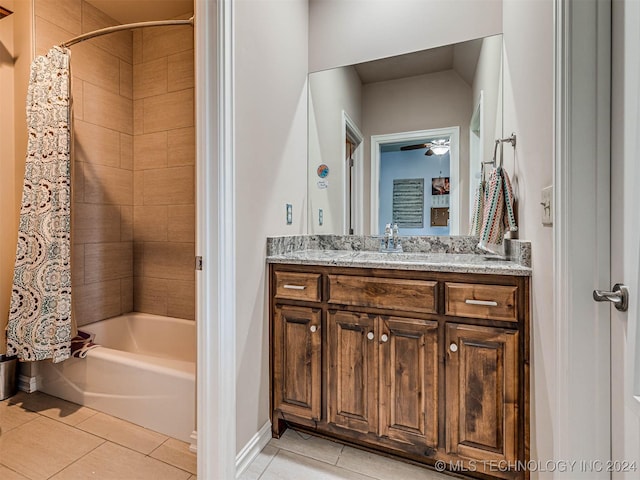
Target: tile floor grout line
[(167, 463), (76, 460), (268, 463)]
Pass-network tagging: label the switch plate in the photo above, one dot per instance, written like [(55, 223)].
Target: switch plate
[(289, 214), (546, 204), (320, 216)]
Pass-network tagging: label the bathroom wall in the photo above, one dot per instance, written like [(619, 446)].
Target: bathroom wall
[(271, 170), (7, 167), (102, 83), (164, 172)]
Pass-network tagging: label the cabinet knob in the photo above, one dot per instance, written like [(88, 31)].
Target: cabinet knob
[(313, 328), (453, 347), (370, 335), (384, 337)]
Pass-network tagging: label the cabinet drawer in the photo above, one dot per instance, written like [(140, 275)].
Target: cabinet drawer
[(298, 286), (398, 294), (497, 302)]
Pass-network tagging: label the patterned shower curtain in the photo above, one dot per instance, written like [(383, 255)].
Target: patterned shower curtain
[(40, 323)]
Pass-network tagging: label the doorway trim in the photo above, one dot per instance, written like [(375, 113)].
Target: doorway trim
[(378, 141), (215, 240), (582, 162), (349, 127)]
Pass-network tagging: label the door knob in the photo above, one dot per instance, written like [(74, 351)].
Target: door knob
[(384, 337), (453, 347), (619, 296), (313, 328), (370, 335)]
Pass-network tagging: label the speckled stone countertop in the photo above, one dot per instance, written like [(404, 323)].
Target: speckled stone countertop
[(435, 260)]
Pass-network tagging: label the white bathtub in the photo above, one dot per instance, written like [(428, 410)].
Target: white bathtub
[(143, 372)]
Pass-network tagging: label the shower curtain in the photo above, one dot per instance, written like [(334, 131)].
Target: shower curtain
[(40, 320)]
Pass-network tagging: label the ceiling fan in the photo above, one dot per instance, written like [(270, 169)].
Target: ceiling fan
[(435, 147)]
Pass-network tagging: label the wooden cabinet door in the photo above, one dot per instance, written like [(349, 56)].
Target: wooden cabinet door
[(297, 362), (482, 392), (409, 381), (352, 400)]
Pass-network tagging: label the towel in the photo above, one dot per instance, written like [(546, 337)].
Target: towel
[(81, 344), (498, 216), (478, 210)]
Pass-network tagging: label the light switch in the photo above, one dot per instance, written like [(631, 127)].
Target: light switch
[(289, 214), (547, 205), (320, 216)]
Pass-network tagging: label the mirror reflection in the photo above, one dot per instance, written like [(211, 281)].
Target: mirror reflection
[(401, 139)]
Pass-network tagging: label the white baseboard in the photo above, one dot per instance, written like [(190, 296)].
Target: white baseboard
[(193, 448), (28, 384), (253, 448)]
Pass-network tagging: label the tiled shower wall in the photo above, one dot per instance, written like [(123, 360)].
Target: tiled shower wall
[(115, 135), (102, 82), (164, 172)]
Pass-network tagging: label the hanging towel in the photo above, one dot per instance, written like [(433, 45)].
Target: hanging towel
[(478, 208), (39, 324), (498, 216)]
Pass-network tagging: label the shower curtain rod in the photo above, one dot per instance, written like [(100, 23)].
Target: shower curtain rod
[(128, 26)]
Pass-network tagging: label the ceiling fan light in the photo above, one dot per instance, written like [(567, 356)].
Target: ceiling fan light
[(440, 149)]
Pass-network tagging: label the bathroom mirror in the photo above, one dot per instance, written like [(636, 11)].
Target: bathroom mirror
[(401, 139)]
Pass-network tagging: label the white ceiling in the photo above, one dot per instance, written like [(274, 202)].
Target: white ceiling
[(130, 11), (461, 57)]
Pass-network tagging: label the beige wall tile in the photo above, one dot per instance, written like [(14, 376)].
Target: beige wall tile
[(181, 145), (76, 95), (126, 151), (137, 47), (97, 301), (126, 223), (150, 151), (126, 79), (150, 78), (138, 188), (48, 34), (108, 185), (181, 300), (169, 186), (138, 117), (107, 261), (107, 109), (78, 182), (171, 261), (181, 71), (96, 144), (120, 44), (160, 42), (149, 224), (169, 111), (150, 295), (96, 223), (77, 265), (64, 13), (181, 222), (126, 295), (96, 66), (138, 258)]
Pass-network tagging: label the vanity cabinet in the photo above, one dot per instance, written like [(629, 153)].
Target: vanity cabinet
[(423, 365)]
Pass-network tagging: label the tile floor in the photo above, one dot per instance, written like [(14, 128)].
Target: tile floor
[(297, 456), (43, 437)]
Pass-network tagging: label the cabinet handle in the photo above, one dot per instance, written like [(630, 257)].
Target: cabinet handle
[(295, 287), (453, 347), (488, 303), (384, 337), (370, 335), (313, 328)]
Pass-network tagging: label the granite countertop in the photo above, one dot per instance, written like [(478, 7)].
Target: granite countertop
[(432, 262)]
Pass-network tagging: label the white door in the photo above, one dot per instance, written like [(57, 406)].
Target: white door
[(625, 238)]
